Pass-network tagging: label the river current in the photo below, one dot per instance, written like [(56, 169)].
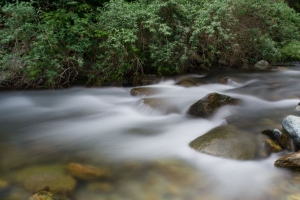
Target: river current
[(109, 127)]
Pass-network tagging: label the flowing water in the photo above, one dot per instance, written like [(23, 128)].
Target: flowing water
[(147, 150)]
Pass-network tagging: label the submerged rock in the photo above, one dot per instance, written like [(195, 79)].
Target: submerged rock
[(49, 177), (209, 104), (228, 81), (291, 161), (291, 124), (56, 183), (44, 195), (88, 172), (228, 142)]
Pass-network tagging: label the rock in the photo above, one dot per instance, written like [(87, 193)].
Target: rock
[(291, 125), (209, 104), (51, 177), (262, 65), (228, 142), (88, 172), (144, 91), (291, 161), (272, 145), (44, 195), (56, 183), (21, 175), (281, 138)]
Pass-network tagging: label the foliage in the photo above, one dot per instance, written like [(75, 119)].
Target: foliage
[(48, 43), (291, 51)]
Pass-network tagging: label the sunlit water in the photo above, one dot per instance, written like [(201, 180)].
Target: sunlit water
[(102, 126)]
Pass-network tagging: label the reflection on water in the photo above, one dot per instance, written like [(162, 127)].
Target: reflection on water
[(147, 151)]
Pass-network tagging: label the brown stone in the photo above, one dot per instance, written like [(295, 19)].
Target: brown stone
[(87, 172), (209, 104), (291, 161)]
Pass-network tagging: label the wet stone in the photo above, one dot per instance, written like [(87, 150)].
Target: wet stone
[(88, 172), (291, 161), (63, 184), (209, 104), (44, 195), (227, 142), (291, 124)]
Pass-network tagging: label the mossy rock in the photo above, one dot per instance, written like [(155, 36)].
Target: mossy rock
[(209, 104), (50, 177), (62, 184), (21, 175), (44, 195), (227, 142)]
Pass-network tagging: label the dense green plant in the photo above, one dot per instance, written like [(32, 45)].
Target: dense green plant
[(48, 43), (291, 51)]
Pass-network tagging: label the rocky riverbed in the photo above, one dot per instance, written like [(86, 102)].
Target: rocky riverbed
[(224, 135)]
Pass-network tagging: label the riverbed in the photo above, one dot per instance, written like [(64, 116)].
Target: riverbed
[(147, 149)]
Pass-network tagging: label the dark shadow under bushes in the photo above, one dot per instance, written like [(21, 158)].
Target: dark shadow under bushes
[(50, 48)]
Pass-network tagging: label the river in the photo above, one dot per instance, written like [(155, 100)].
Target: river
[(148, 150)]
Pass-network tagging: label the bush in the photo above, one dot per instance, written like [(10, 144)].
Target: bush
[(48, 46), (291, 51)]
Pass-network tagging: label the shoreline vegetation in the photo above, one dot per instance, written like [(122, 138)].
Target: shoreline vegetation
[(54, 43)]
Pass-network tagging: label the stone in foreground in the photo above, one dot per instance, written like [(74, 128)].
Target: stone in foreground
[(291, 125), (209, 104), (291, 161), (227, 142)]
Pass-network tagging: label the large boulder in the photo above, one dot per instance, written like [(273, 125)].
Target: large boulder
[(291, 125), (209, 104), (291, 161), (228, 142)]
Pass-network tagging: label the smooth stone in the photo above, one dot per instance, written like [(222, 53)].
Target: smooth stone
[(291, 161), (21, 175), (209, 104), (3, 184), (88, 172), (44, 195), (262, 65), (227, 142), (62, 184), (291, 124)]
